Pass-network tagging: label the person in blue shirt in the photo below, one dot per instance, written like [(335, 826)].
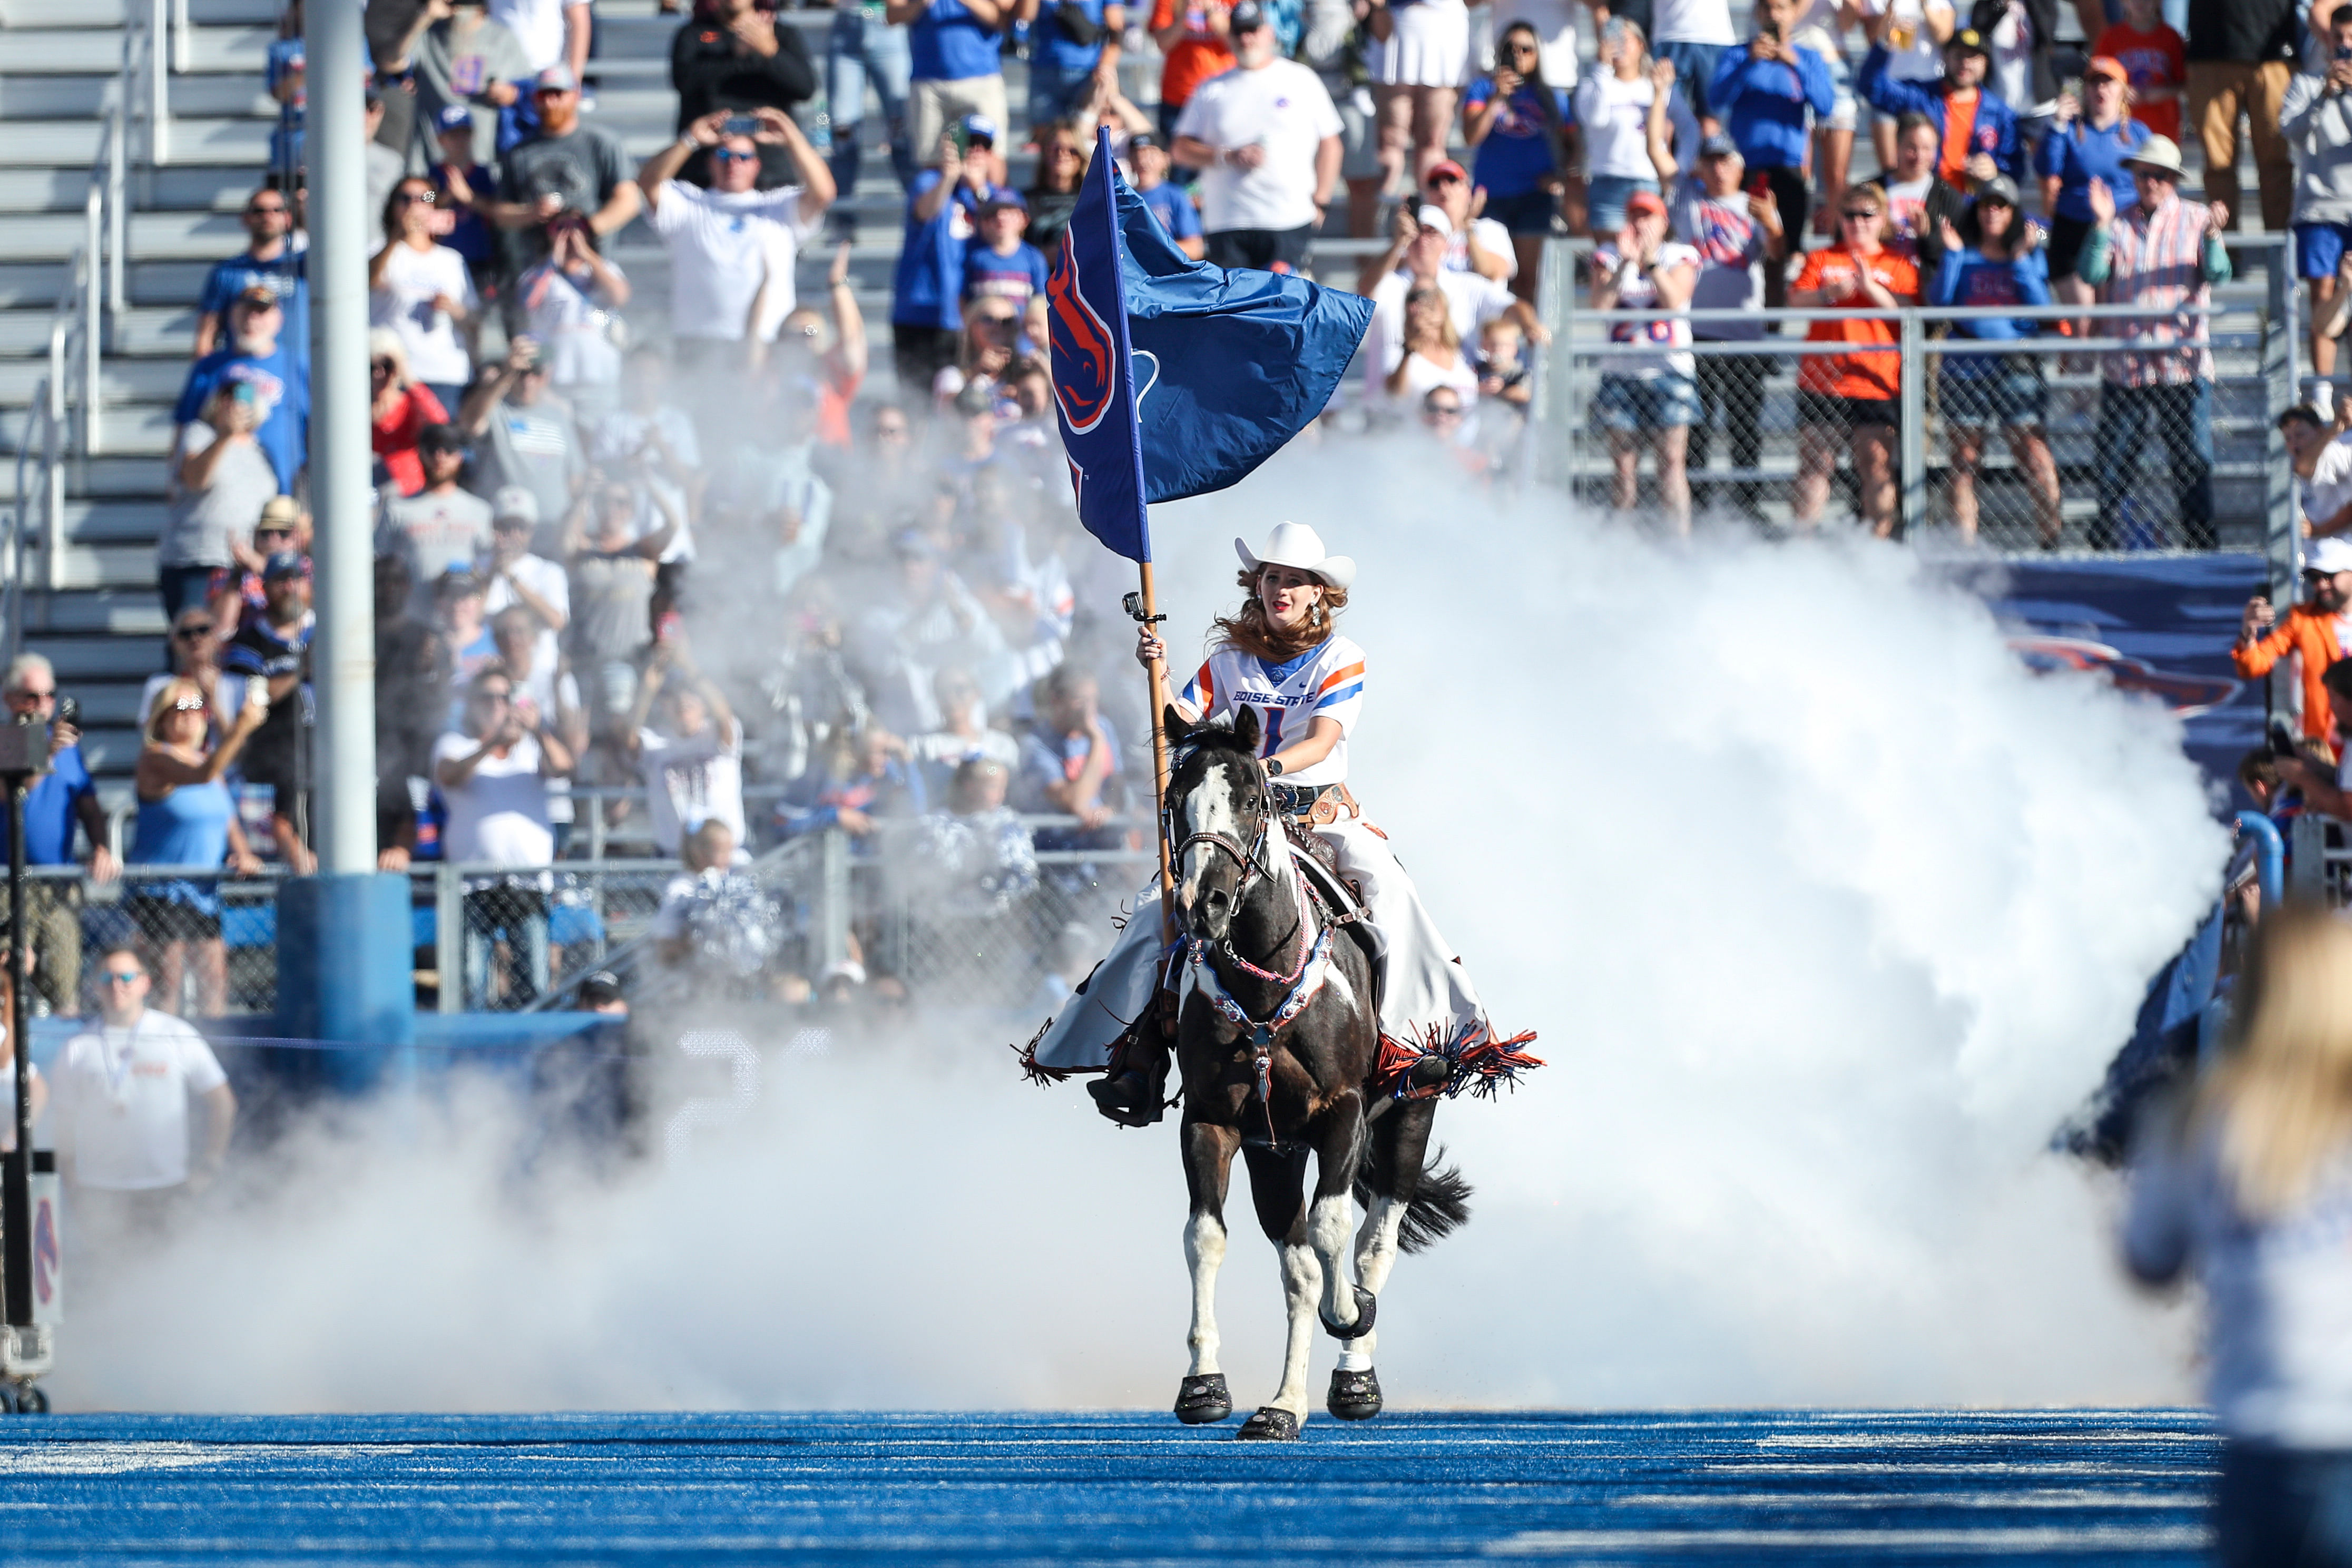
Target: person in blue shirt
[(1170, 205), (265, 370), (459, 182), (269, 257), (57, 800), (1761, 95), (1990, 259), (1977, 130), (957, 69), (1521, 126), (1073, 45), (1003, 266), (2088, 139), (941, 206)]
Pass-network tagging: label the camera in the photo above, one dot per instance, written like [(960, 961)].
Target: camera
[(740, 125), (68, 712)]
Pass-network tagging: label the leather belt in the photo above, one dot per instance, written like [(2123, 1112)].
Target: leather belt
[(1314, 805)]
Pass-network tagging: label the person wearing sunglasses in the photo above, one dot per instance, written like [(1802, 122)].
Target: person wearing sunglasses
[(1849, 400), (269, 257), (121, 1108), (1526, 156), (493, 773), (268, 371), (220, 481), (399, 410), (420, 289), (187, 818), (729, 242), (58, 801), (442, 526)]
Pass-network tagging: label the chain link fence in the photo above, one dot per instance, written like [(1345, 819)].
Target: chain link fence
[(2031, 443)]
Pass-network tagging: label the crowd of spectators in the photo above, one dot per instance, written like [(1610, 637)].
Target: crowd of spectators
[(677, 546)]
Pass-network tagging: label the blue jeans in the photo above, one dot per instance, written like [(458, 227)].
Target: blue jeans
[(1053, 93), (2183, 415), (1694, 68), (860, 50), (1604, 200)]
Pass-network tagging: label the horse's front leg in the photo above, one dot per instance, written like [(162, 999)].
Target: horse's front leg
[(1346, 1306), (1207, 1151), (1277, 1189)]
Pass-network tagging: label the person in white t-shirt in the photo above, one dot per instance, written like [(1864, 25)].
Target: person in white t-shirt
[(728, 241), (1624, 143), (1418, 258), (693, 762), (120, 1102), (420, 289), (1266, 137), (551, 31), (1648, 398), (493, 780), (2327, 489)]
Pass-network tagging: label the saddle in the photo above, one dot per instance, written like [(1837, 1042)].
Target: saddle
[(1339, 904)]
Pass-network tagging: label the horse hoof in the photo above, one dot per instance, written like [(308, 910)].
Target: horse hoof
[(1202, 1400), (1269, 1426), (1365, 1303), (1355, 1396)]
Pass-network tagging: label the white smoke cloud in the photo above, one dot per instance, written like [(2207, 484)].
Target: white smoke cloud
[(1827, 911)]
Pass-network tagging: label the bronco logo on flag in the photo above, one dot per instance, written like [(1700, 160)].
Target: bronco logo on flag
[(1237, 361)]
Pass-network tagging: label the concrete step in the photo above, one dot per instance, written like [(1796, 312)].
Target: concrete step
[(40, 236), (117, 479), (110, 749), (119, 566), (39, 50), (29, 285), (64, 144), (86, 659), (69, 97), (112, 521), (175, 189), (237, 13), (226, 48), (103, 613), (43, 14), (120, 381), (134, 434)]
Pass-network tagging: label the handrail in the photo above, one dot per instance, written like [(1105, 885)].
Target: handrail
[(159, 91)]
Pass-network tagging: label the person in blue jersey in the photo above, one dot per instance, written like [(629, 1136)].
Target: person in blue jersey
[(1282, 655), (264, 370), (943, 205), (1977, 135), (2092, 138), (1171, 205), (1003, 266), (1763, 94), (1523, 130), (1991, 259), (269, 257), (1073, 46)]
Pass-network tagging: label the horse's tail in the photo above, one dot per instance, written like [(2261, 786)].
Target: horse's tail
[(1441, 1202)]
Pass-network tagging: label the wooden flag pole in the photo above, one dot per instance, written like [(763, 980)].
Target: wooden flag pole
[(1147, 613)]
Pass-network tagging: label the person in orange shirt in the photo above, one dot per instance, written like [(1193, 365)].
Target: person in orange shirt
[(1849, 399), (1196, 37), (2318, 632), (2156, 60)]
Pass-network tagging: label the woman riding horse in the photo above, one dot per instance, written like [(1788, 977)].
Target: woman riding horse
[(1281, 655)]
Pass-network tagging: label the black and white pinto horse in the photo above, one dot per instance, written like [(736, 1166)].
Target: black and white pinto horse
[(1278, 1041)]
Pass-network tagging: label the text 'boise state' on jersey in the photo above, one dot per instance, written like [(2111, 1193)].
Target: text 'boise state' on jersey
[(1327, 681)]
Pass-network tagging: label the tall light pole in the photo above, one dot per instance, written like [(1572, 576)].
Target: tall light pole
[(343, 971)]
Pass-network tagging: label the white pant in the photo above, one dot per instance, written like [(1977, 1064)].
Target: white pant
[(1426, 989)]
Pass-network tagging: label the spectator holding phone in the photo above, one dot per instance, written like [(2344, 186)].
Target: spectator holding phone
[(738, 59), (421, 289), (264, 371), (220, 481), (187, 818), (1519, 125), (727, 242), (567, 303), (399, 410), (943, 207), (1763, 95), (1630, 112)]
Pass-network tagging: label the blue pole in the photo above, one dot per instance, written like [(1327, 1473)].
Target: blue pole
[(2270, 854)]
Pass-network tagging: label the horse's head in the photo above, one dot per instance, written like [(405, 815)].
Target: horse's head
[(1218, 815)]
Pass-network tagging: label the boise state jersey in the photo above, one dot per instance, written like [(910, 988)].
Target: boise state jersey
[(1327, 681)]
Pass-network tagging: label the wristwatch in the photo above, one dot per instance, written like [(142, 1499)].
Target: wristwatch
[(1273, 767)]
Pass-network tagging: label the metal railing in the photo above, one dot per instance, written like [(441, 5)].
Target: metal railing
[(2253, 339)]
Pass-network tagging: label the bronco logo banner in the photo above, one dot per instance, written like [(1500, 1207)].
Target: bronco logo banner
[(1172, 377)]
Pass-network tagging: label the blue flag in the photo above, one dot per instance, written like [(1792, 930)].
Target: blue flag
[(1173, 378)]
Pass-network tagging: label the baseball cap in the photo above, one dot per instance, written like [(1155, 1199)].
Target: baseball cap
[(257, 292), (2107, 66), (1445, 166), (1247, 15), (1999, 188), (455, 117), (441, 438), (457, 583), (285, 563), (1141, 139), (1645, 202), (558, 78), (1435, 217), (980, 127), (280, 512), (1969, 40), (2329, 555), (601, 987), (515, 501), (1720, 146)]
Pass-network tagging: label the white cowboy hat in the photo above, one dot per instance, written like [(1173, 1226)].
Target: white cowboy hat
[(1295, 544), (2158, 152)]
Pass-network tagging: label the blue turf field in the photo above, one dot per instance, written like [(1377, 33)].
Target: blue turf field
[(2070, 1487)]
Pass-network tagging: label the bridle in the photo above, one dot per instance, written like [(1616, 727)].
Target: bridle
[(1250, 858)]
